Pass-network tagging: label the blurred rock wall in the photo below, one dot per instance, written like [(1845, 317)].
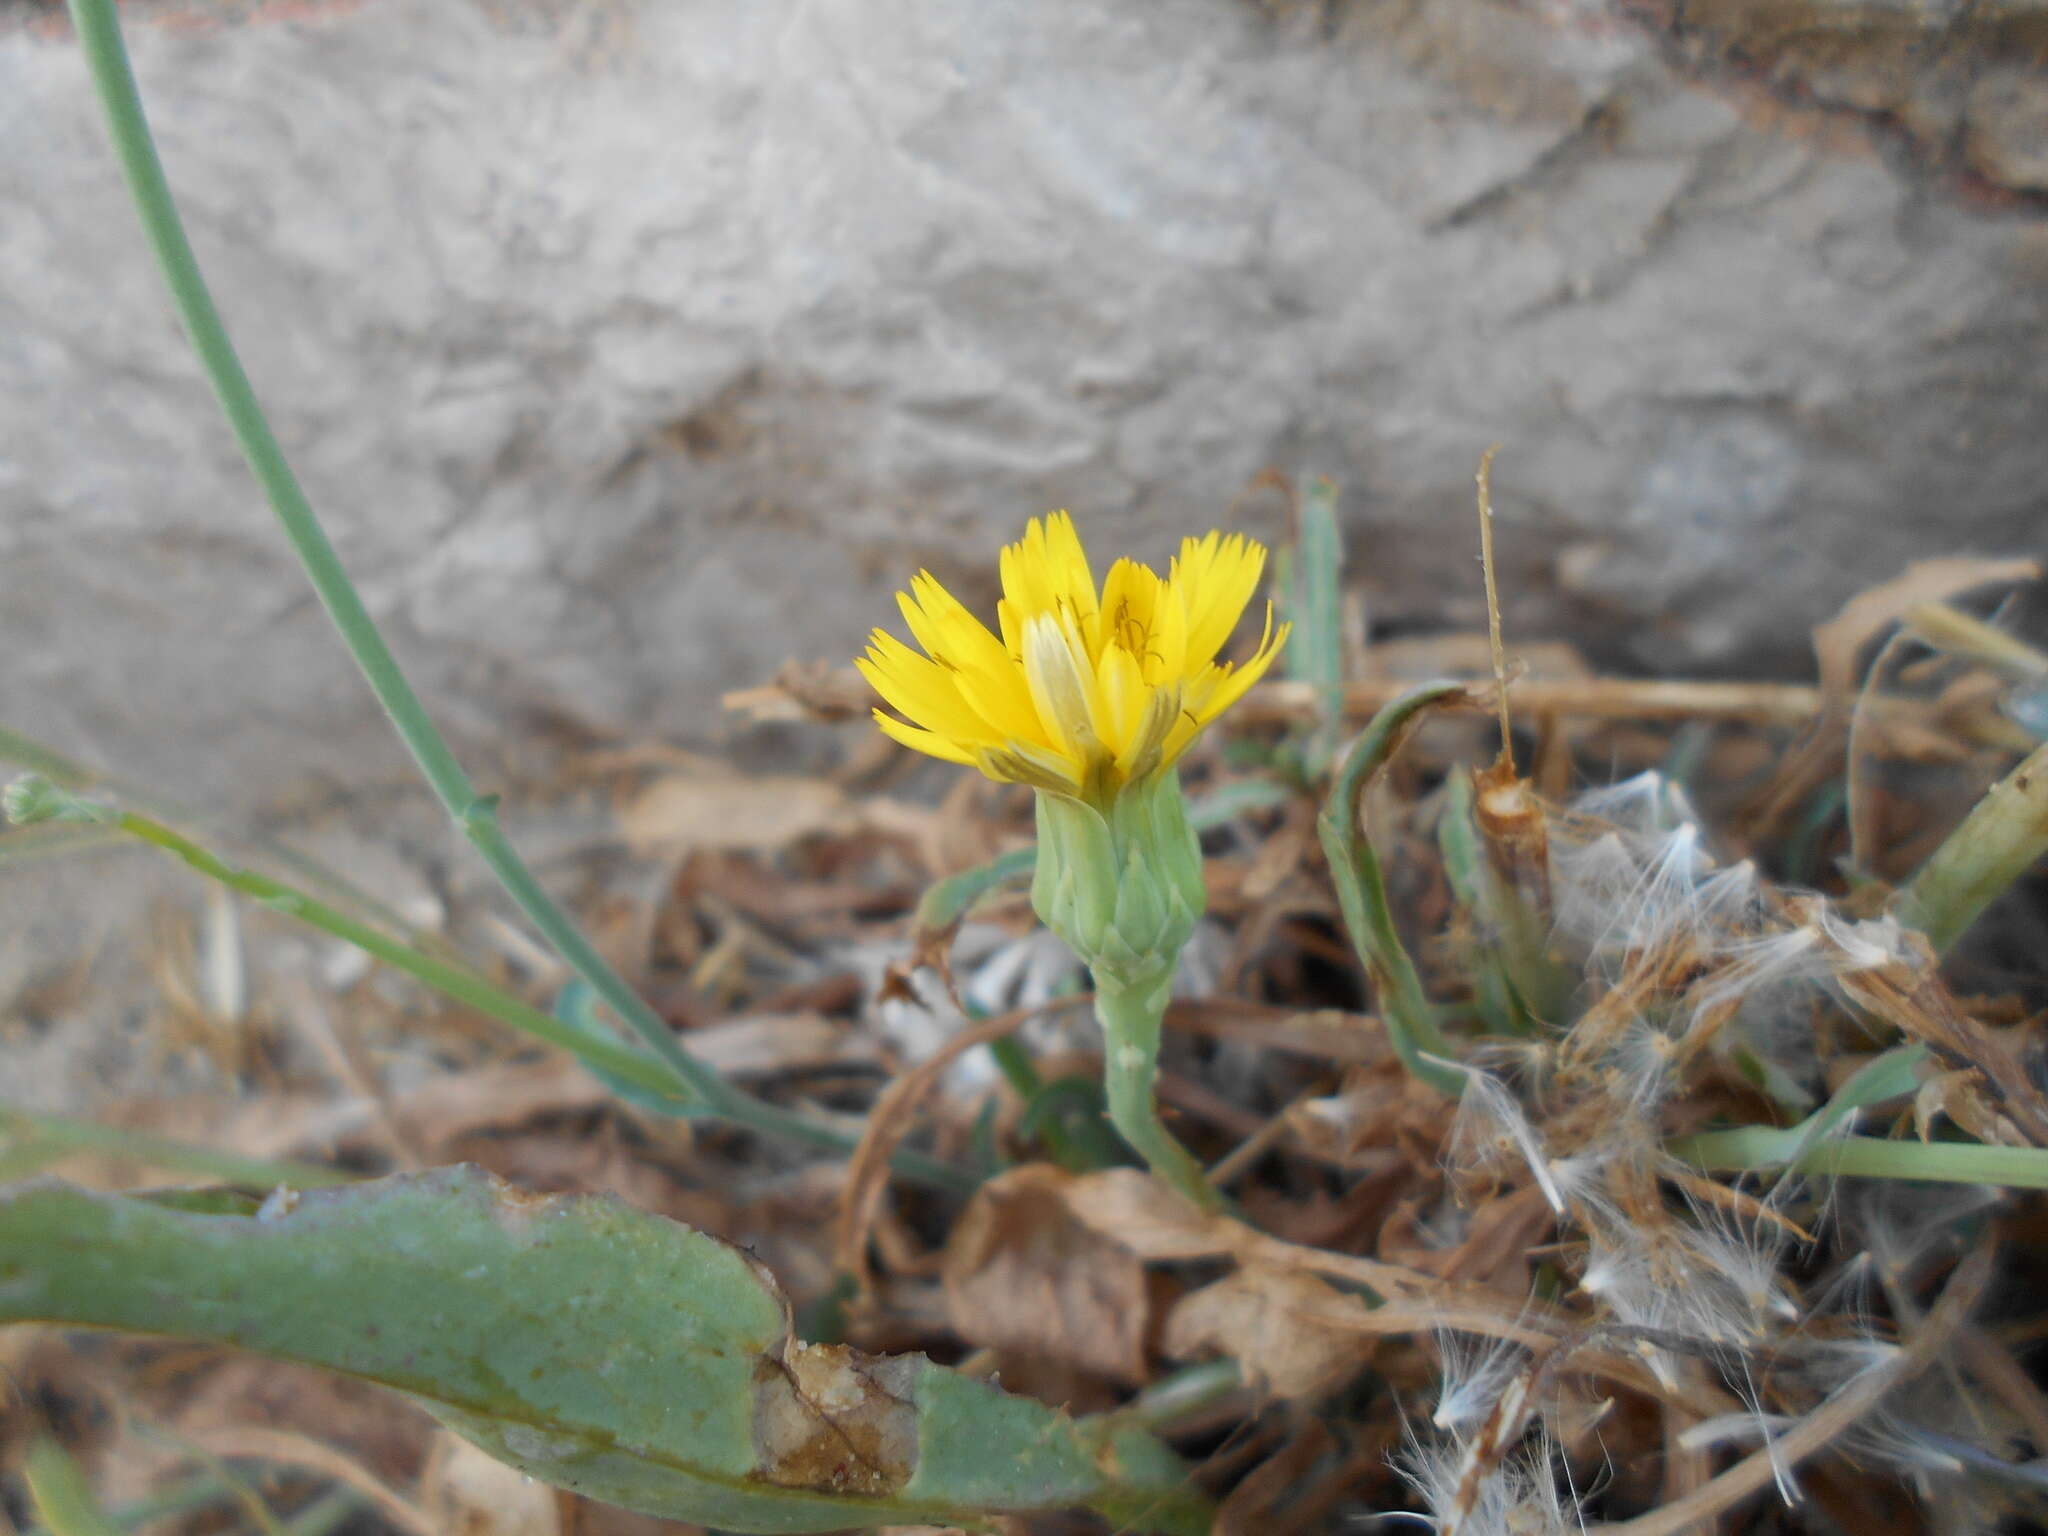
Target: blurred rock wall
[(630, 347)]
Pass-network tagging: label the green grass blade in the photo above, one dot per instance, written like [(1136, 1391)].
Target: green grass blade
[(99, 34), (1805, 1147), (51, 1138), (589, 1344), (948, 900), (199, 1491), (61, 1494), (1407, 1013), (653, 1084), (16, 847), (1316, 650), (1758, 1149)]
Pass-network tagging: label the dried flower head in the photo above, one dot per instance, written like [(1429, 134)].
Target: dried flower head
[(1084, 692)]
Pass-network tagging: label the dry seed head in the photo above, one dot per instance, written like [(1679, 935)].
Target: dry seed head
[(1473, 1375), (1490, 1125), (1518, 1496)]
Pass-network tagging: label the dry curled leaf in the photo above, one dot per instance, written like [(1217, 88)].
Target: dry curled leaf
[(686, 813), (467, 1493), (1021, 1273), (1282, 1327)]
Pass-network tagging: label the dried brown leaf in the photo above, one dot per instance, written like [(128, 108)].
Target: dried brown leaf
[(1918, 1002), (1838, 646), (1322, 1034), (286, 1448), (1256, 1501), (889, 1122), (1021, 1273), (467, 1493), (683, 813), (1293, 1335), (813, 690), (1136, 1210), (1839, 642)]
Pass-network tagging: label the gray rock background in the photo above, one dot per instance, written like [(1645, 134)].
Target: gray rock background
[(631, 347)]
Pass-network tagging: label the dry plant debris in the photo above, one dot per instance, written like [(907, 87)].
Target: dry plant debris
[(1522, 1310)]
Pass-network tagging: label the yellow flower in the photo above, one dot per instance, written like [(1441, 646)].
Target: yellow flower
[(1084, 692)]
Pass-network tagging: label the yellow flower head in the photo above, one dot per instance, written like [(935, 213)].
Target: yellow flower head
[(1085, 692)]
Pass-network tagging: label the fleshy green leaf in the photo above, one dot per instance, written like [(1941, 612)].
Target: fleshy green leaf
[(587, 1343)]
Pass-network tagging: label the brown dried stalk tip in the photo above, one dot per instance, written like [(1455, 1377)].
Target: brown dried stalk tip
[(1515, 829)]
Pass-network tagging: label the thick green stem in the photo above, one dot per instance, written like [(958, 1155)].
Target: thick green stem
[(99, 34), (1131, 1018), (2000, 840)]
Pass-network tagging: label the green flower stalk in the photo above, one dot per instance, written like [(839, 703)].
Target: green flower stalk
[(1090, 697)]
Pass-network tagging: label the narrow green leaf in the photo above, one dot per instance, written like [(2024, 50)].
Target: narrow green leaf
[(587, 1343), (62, 1496), (1805, 1146), (1889, 1076), (40, 1140), (98, 26), (948, 900), (1758, 1149), (1405, 1009), (190, 1493), (1316, 654)]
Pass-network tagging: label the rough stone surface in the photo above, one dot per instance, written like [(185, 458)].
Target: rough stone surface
[(632, 348)]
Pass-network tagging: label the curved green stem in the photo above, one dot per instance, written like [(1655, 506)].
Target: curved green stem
[(465, 986), (99, 34), (1131, 1018), (1405, 1009), (2001, 839)]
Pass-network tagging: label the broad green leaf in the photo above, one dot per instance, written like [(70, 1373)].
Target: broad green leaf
[(587, 1343)]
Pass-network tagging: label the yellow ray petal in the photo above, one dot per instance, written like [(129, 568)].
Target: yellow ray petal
[(1063, 687), (1046, 571), (1083, 693), (921, 689), (1216, 577), (942, 624), (1125, 695), (1216, 688), (984, 672), (928, 742)]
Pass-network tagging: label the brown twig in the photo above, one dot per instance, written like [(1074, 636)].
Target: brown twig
[(867, 1173)]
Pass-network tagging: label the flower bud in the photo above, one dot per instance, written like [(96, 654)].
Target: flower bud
[(1123, 889)]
